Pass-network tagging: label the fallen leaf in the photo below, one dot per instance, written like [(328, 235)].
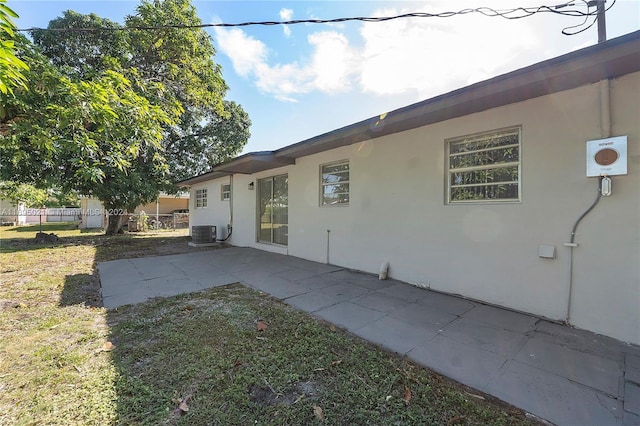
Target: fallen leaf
[(108, 346), (407, 395), (262, 325), (332, 328), (183, 407), (317, 411), (337, 362)]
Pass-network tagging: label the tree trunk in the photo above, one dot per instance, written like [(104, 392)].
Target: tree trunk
[(115, 224)]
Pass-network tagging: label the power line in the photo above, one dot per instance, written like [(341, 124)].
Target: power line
[(513, 13)]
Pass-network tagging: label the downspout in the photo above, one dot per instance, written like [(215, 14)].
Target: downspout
[(605, 130)]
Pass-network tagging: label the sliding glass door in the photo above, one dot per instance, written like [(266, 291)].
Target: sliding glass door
[(273, 210)]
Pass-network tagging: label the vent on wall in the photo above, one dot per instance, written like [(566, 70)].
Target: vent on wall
[(203, 234)]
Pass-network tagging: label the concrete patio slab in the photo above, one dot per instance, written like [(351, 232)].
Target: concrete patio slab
[(312, 302), (119, 273), (406, 292), (349, 315), (380, 302), (632, 398), (467, 364), (343, 292), (554, 397), (317, 282), (501, 318), (485, 337), (568, 337), (394, 334), (596, 372), (429, 318), (446, 303), (558, 373), (279, 287)]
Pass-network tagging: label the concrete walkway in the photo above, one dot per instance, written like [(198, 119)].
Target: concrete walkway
[(563, 375)]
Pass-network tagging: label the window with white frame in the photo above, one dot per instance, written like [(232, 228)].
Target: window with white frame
[(484, 167), (201, 198), (225, 192), (334, 184)]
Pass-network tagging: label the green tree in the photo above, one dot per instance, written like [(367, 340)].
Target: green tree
[(209, 129), (11, 67), (83, 54), (19, 193), (97, 137)]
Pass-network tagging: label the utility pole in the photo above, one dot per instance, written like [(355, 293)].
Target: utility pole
[(602, 25)]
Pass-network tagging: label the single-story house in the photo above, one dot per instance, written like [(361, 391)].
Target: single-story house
[(486, 192), (94, 214)]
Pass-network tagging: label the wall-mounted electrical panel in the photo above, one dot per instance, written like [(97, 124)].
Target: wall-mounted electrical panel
[(607, 157)]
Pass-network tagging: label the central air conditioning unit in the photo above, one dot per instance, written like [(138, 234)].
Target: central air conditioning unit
[(204, 234)]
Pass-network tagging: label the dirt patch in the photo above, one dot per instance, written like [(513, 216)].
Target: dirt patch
[(268, 396), (9, 304)]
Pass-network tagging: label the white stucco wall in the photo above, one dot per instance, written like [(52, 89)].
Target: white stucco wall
[(217, 211), (488, 251)]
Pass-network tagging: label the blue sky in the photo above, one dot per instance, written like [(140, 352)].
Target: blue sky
[(300, 81)]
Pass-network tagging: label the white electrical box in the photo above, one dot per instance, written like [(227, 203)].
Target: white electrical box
[(607, 157)]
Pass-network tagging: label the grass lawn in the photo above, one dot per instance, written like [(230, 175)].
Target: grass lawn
[(228, 355)]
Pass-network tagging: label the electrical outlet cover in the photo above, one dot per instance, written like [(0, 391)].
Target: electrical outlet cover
[(607, 157)]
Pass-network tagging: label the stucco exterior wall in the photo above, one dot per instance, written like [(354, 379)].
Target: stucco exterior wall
[(489, 251), (485, 251), (217, 211)]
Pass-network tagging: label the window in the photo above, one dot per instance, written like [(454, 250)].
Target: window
[(334, 184), (484, 167), (201, 198), (225, 192)]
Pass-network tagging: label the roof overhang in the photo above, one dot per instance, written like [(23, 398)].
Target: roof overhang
[(606, 60), (610, 59), (253, 162)]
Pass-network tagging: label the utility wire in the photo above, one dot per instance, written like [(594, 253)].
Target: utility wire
[(513, 13)]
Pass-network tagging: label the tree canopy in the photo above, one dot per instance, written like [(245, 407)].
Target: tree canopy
[(11, 67), (179, 59), (119, 115), (22, 193)]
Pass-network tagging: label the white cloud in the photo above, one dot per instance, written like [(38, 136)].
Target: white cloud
[(333, 61), (244, 51), (286, 15), (328, 70), (434, 55), (421, 57)]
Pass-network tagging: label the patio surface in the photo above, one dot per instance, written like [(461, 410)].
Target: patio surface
[(560, 374)]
